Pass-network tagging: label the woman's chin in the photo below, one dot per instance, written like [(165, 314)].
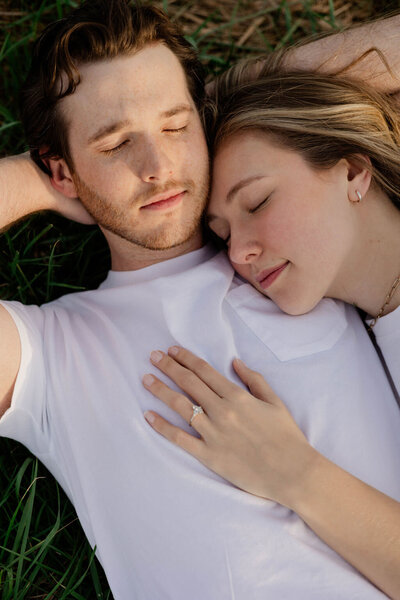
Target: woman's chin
[(295, 307)]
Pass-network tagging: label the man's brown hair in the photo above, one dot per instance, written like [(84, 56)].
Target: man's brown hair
[(97, 30)]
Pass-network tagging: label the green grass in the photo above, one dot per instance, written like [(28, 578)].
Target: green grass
[(43, 552)]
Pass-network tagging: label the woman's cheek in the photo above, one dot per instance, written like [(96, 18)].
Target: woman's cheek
[(243, 270)]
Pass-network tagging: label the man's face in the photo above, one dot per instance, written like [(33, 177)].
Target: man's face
[(138, 148)]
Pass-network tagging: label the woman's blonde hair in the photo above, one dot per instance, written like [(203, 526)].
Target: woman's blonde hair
[(324, 118)]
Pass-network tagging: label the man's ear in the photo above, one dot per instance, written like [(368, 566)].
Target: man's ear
[(358, 176), (61, 178)]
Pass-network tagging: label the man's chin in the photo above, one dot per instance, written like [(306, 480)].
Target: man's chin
[(156, 241)]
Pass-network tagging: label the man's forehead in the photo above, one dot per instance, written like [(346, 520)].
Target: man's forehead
[(148, 83)]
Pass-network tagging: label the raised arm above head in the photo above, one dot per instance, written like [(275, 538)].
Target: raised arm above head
[(367, 52), (335, 53), (25, 189)]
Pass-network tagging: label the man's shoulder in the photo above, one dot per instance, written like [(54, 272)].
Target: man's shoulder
[(37, 316)]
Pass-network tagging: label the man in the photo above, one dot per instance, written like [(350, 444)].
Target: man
[(110, 128)]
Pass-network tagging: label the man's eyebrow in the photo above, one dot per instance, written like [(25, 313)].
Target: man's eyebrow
[(107, 130), (114, 127), (176, 110)]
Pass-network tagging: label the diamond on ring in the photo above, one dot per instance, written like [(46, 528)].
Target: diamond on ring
[(197, 410)]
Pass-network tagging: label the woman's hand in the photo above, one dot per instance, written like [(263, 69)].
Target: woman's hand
[(248, 438)]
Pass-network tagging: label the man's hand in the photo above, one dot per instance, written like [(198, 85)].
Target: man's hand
[(71, 208), (25, 189)]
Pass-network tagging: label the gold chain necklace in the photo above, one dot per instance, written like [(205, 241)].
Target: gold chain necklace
[(388, 298)]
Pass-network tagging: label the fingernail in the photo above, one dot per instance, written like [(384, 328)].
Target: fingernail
[(239, 362), (156, 356), (148, 379), (149, 417), (173, 350)]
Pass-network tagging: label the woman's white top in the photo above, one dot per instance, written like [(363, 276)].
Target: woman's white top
[(387, 334)]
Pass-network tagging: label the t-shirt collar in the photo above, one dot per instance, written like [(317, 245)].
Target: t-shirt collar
[(172, 266)]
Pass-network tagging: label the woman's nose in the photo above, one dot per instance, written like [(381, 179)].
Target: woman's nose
[(243, 251)]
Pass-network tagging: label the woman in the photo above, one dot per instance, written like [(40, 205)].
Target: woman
[(306, 190)]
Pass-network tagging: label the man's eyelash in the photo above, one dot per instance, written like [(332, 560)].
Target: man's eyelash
[(178, 130), (116, 149)]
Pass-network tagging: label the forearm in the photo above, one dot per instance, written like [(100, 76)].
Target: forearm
[(335, 52), (357, 521), (24, 189), (261, 450)]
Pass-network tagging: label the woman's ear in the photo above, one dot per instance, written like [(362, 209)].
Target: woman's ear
[(358, 176), (61, 178)]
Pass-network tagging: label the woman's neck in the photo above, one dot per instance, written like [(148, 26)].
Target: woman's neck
[(369, 273)]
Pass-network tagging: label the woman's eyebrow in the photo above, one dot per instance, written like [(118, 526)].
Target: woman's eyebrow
[(241, 184)]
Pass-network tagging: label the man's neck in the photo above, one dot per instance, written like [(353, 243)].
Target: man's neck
[(126, 256)]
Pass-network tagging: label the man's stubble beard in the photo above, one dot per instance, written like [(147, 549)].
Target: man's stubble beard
[(161, 237)]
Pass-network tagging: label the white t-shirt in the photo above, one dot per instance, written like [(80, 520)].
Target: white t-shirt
[(387, 334), (165, 526)]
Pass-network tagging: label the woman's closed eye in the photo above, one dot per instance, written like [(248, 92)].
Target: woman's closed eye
[(260, 205)]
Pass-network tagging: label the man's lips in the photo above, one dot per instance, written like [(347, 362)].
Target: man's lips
[(268, 276), (166, 200)]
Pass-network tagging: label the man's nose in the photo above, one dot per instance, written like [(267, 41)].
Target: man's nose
[(243, 251), (154, 163)]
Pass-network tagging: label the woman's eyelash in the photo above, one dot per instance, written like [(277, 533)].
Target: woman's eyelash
[(252, 210)]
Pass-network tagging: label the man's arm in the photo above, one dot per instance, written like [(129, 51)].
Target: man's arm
[(22, 190), (10, 355), (25, 189), (334, 53)]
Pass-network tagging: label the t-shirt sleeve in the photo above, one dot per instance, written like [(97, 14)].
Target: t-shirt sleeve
[(26, 420)]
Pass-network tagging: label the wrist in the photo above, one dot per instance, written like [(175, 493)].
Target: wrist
[(25, 184), (307, 480), (39, 188)]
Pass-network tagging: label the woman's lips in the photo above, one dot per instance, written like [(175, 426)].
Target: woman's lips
[(271, 276), (164, 204)]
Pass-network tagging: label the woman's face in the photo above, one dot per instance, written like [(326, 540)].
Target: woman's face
[(289, 228)]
